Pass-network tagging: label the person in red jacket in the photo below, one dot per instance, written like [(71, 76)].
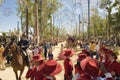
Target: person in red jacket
[(103, 55), (95, 69), (68, 65), (79, 73), (113, 66), (77, 66), (50, 69), (34, 72)]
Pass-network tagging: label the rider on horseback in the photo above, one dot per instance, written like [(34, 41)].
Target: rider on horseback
[(24, 44)]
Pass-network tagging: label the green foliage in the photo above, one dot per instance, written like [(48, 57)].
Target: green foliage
[(98, 25), (118, 60), (113, 20), (4, 34), (47, 9), (117, 52), (105, 4)]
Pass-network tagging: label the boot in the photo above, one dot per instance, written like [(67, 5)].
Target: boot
[(27, 61)]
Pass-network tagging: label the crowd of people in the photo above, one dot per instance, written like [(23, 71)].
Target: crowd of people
[(103, 67), (28, 49), (102, 58), (96, 61)]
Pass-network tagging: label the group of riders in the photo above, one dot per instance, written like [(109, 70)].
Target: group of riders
[(104, 67)]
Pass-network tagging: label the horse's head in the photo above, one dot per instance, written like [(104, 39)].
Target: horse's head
[(7, 48), (13, 48)]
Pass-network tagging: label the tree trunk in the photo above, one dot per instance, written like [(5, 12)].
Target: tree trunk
[(36, 23), (27, 18)]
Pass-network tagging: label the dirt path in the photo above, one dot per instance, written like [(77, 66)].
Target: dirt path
[(8, 74)]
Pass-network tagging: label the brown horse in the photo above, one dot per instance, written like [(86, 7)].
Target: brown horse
[(18, 63)]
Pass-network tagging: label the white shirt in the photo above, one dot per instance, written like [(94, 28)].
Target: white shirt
[(36, 50), (97, 47)]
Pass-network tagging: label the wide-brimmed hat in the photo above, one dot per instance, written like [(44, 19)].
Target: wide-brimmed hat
[(81, 56), (51, 68), (102, 48), (85, 51), (91, 66), (105, 50), (68, 52), (37, 58), (110, 52)]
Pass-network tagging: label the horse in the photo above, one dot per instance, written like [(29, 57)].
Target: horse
[(18, 63)]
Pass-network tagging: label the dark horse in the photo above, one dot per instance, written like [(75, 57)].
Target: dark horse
[(18, 62)]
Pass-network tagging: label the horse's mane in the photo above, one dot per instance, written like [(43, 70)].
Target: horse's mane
[(17, 48)]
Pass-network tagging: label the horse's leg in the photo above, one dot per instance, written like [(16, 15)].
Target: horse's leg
[(21, 72), (16, 74)]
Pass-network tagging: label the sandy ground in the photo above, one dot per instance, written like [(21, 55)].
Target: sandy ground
[(8, 73)]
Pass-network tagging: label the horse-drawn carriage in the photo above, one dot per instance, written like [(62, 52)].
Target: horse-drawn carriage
[(71, 42)]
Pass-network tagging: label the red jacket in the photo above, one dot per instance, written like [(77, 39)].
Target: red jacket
[(34, 74), (68, 67), (78, 69), (110, 79), (114, 66), (104, 59)]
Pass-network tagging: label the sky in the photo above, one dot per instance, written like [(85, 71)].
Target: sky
[(69, 13), (8, 18)]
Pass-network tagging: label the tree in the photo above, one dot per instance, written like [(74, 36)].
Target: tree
[(107, 5), (113, 19), (98, 26), (1, 2), (116, 23), (47, 8)]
